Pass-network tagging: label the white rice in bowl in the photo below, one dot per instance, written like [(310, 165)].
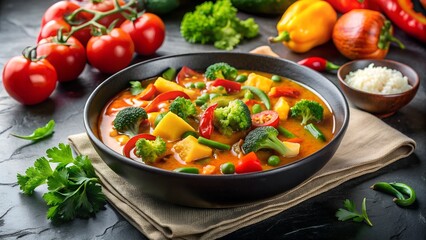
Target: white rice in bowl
[(378, 80)]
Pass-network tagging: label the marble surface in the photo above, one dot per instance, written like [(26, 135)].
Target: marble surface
[(23, 217)]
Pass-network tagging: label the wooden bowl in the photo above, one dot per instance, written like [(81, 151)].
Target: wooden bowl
[(381, 105)]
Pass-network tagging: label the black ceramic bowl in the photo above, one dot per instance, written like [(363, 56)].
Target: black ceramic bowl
[(212, 191)]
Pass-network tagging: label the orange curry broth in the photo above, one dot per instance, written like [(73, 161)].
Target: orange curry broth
[(308, 145)]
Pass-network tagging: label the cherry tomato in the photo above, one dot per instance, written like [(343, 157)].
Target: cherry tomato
[(104, 6), (248, 163), (147, 32), (265, 118), (186, 73), (69, 59), (60, 10), (111, 52), (51, 28), (29, 81)]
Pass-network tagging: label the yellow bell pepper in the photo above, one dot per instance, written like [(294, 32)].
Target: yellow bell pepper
[(306, 24)]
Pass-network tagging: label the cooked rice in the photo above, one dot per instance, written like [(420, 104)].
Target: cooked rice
[(378, 80)]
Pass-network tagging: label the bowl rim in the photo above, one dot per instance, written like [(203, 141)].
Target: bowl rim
[(151, 169), (414, 87)]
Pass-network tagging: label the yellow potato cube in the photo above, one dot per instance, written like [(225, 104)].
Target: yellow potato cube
[(282, 108), (261, 82), (190, 150), (171, 127), (163, 85), (293, 149)]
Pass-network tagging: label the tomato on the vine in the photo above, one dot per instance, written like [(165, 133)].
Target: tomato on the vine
[(147, 32), (111, 52), (60, 10), (104, 6), (51, 28), (28, 80), (68, 58)]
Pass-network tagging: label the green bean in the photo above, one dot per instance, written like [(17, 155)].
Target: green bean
[(169, 74), (191, 170), (260, 94), (315, 132), (213, 144), (189, 133), (256, 108), (227, 168), (276, 78), (286, 133), (241, 78), (274, 160)]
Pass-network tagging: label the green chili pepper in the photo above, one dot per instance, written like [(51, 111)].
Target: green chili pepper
[(397, 190), (213, 144), (260, 94)]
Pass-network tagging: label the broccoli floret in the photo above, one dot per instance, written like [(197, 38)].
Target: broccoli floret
[(183, 107), (232, 118), (217, 23), (263, 138), (307, 110), (127, 120), (150, 150), (221, 70)]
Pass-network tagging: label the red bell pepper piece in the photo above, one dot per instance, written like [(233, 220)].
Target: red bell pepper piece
[(132, 142), (230, 86), (345, 6), (186, 72), (171, 95), (318, 64), (206, 122), (248, 163), (148, 93), (402, 14), (284, 91)]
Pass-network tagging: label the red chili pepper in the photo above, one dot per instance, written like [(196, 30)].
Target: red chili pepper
[(319, 64), (186, 72), (402, 14), (344, 6), (248, 163), (147, 93), (265, 118), (153, 105), (206, 122), (230, 86), (132, 142), (283, 91)]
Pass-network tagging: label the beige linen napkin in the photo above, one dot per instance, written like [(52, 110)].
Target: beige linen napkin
[(369, 144)]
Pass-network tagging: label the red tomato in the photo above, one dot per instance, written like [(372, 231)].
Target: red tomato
[(186, 73), (29, 82), (248, 163), (51, 28), (69, 59), (104, 6), (60, 10), (265, 118), (147, 32), (112, 52)]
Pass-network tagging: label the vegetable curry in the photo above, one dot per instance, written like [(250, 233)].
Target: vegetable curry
[(221, 121)]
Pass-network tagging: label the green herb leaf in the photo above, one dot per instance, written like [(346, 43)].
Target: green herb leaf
[(351, 213), (135, 87), (39, 133), (73, 187)]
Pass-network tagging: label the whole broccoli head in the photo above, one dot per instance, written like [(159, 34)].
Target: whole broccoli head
[(307, 110), (221, 70), (232, 118), (263, 138), (127, 120), (150, 150), (183, 107)]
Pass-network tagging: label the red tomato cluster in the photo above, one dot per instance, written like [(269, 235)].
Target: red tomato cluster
[(31, 79)]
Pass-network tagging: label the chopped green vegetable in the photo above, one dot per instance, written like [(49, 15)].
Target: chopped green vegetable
[(213, 144), (286, 133), (190, 170), (169, 74), (150, 150), (314, 131), (74, 190), (217, 23), (136, 87), (127, 120), (351, 213), (307, 110), (263, 138), (232, 118), (221, 70), (39, 133), (183, 107), (260, 94)]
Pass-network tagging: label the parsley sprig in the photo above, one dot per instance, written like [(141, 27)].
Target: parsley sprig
[(351, 213), (39, 133), (73, 187)]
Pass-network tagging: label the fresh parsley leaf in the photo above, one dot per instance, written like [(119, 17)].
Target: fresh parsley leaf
[(39, 133), (351, 213), (135, 87), (73, 187)]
